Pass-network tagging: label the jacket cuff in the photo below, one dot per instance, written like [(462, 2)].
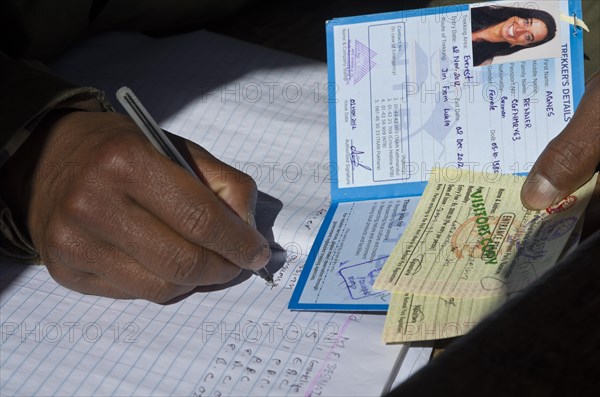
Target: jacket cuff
[(27, 95), (13, 243)]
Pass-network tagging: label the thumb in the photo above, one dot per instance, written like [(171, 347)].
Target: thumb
[(571, 158)]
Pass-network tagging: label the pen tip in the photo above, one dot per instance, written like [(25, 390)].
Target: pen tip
[(270, 281), (266, 275)]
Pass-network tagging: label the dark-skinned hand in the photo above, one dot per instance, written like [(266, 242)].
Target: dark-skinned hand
[(111, 216)]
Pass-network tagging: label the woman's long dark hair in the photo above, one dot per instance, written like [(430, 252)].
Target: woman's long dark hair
[(484, 17)]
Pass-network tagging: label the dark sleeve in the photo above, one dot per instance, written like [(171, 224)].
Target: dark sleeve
[(40, 30), (27, 94), (35, 30)]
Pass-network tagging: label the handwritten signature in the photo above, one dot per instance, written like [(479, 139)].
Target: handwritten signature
[(355, 159)]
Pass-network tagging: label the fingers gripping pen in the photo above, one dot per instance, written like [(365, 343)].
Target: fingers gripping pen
[(161, 142)]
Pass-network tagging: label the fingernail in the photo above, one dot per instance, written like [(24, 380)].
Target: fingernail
[(538, 193), (250, 219)]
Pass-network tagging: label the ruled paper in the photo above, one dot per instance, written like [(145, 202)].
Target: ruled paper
[(265, 113)]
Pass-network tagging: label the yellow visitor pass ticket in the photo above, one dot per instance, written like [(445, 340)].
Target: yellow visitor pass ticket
[(471, 237)]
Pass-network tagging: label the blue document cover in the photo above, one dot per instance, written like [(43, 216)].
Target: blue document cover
[(415, 90)]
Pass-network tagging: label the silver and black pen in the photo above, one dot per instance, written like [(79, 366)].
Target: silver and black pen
[(161, 142)]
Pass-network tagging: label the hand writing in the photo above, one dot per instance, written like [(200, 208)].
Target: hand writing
[(111, 216)]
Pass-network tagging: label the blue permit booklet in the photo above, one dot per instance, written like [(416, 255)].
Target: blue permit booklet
[(415, 90)]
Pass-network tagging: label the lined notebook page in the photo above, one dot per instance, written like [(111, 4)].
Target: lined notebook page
[(265, 113)]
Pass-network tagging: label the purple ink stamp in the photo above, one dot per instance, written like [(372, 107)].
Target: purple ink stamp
[(359, 278), (360, 61)]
